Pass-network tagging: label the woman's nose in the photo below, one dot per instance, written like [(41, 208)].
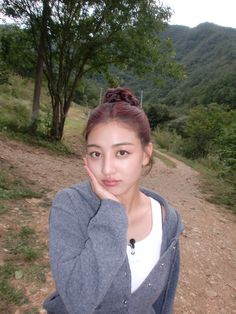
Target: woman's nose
[(108, 166)]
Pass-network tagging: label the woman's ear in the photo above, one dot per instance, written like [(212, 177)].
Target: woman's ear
[(147, 154)]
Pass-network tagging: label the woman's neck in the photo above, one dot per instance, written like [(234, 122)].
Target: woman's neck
[(139, 213), (132, 200)]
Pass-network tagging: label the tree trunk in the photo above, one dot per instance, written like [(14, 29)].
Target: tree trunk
[(37, 93), (54, 132), (39, 67), (60, 112), (57, 128), (58, 121)]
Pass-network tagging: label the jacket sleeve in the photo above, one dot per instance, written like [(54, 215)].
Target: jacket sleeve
[(164, 304), (85, 263)]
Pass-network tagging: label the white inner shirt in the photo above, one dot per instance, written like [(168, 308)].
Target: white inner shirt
[(147, 251)]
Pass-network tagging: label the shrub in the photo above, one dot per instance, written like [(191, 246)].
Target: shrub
[(15, 117), (226, 151), (167, 140), (203, 127), (4, 73), (158, 114)]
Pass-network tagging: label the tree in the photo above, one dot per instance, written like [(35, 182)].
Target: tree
[(16, 50), (203, 127), (226, 149), (84, 36), (158, 114)]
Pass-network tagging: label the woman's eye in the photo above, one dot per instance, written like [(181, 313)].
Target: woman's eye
[(95, 154), (122, 153)]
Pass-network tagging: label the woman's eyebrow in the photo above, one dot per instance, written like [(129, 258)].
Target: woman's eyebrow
[(93, 145), (114, 145), (122, 144)]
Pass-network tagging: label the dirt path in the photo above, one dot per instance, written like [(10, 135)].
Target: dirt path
[(208, 270)]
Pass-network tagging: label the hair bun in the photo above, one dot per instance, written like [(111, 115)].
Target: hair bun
[(121, 94)]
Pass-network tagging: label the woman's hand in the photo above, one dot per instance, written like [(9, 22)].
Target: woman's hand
[(97, 188)]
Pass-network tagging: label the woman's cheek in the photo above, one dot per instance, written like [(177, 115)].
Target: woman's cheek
[(93, 166)]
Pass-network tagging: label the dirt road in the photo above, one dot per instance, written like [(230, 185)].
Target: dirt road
[(208, 245)]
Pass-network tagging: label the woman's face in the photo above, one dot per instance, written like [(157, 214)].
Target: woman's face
[(116, 157)]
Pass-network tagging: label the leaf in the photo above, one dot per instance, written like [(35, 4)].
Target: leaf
[(18, 274)]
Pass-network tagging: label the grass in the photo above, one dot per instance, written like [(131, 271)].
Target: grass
[(15, 112), (22, 245), (24, 265), (7, 271), (215, 188), (74, 127), (75, 121), (168, 162), (38, 140), (14, 188), (3, 209), (23, 262), (36, 272), (10, 294)]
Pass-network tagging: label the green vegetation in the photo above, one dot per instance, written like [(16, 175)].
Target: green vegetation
[(15, 192), (99, 35), (10, 294), (39, 140), (158, 114), (193, 117), (208, 54), (208, 137), (11, 188), (23, 244), (167, 161), (15, 111), (22, 251), (22, 263), (3, 209)]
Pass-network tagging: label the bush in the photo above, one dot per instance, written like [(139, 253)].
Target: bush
[(4, 73), (178, 125), (14, 117), (157, 115), (203, 126), (167, 140), (226, 151)]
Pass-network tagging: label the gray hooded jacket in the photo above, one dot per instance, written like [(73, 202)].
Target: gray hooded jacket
[(88, 242)]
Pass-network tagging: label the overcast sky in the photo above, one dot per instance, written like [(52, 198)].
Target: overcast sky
[(193, 12)]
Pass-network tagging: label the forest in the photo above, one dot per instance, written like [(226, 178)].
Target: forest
[(187, 85)]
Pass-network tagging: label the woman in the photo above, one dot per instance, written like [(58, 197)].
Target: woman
[(113, 245)]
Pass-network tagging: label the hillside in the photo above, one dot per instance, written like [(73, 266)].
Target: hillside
[(208, 53), (208, 248)]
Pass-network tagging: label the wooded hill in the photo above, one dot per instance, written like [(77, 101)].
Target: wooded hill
[(208, 53), (188, 117)]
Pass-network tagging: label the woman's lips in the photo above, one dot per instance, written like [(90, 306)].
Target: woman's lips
[(110, 182)]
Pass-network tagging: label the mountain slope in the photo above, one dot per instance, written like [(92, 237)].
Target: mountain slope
[(208, 53)]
